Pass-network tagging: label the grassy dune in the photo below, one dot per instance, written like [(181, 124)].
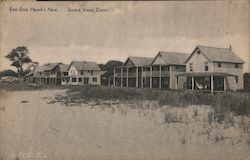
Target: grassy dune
[(237, 102), (228, 109)]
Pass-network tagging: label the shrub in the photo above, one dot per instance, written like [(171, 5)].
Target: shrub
[(172, 118), (223, 103)]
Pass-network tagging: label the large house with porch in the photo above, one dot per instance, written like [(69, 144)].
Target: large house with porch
[(131, 73), (158, 72), (84, 73), (49, 74), (213, 69), (77, 73), (165, 67), (62, 73)]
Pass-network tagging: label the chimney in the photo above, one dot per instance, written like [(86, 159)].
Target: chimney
[(230, 47)]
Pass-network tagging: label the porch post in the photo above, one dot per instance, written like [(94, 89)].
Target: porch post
[(212, 84), (136, 83), (192, 83), (121, 77), (142, 77), (160, 76), (235, 84), (127, 77), (114, 78), (150, 77), (176, 80), (225, 83), (109, 82)]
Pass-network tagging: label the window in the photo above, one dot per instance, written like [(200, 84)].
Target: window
[(65, 73), (219, 65), (176, 67), (206, 66), (190, 67), (79, 79), (94, 79), (86, 80), (236, 79), (177, 80), (165, 68), (198, 52), (155, 68), (73, 79), (236, 65), (91, 72), (72, 72), (81, 72), (146, 68)]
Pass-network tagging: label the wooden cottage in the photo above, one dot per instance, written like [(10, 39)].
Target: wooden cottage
[(213, 69), (158, 72), (49, 74), (62, 75), (84, 73), (165, 67), (130, 74)]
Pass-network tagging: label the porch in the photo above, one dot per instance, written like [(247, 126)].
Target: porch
[(212, 82)]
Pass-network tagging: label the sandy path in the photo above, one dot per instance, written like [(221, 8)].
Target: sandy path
[(37, 130)]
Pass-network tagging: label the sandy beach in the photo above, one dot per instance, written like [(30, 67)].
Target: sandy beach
[(33, 128)]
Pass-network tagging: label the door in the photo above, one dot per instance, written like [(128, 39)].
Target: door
[(86, 81)]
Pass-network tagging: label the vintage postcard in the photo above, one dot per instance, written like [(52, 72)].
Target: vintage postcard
[(124, 80)]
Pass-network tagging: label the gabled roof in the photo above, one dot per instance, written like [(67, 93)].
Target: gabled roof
[(63, 67), (139, 61), (172, 58), (39, 68), (84, 65), (215, 54), (49, 66)]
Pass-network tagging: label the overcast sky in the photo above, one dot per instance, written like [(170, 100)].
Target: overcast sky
[(126, 29)]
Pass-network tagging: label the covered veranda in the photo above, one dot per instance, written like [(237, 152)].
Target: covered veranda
[(207, 81)]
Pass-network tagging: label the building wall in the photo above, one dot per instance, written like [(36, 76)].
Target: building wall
[(230, 69), (74, 73), (158, 60), (173, 80), (198, 61), (129, 63)]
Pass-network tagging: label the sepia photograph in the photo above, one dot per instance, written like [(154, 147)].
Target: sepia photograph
[(125, 80)]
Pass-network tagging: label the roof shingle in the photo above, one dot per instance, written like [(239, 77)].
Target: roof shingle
[(220, 54), (140, 61), (86, 65), (63, 67), (172, 58)]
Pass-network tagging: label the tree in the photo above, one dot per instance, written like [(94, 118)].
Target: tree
[(109, 68), (19, 56), (8, 72)]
